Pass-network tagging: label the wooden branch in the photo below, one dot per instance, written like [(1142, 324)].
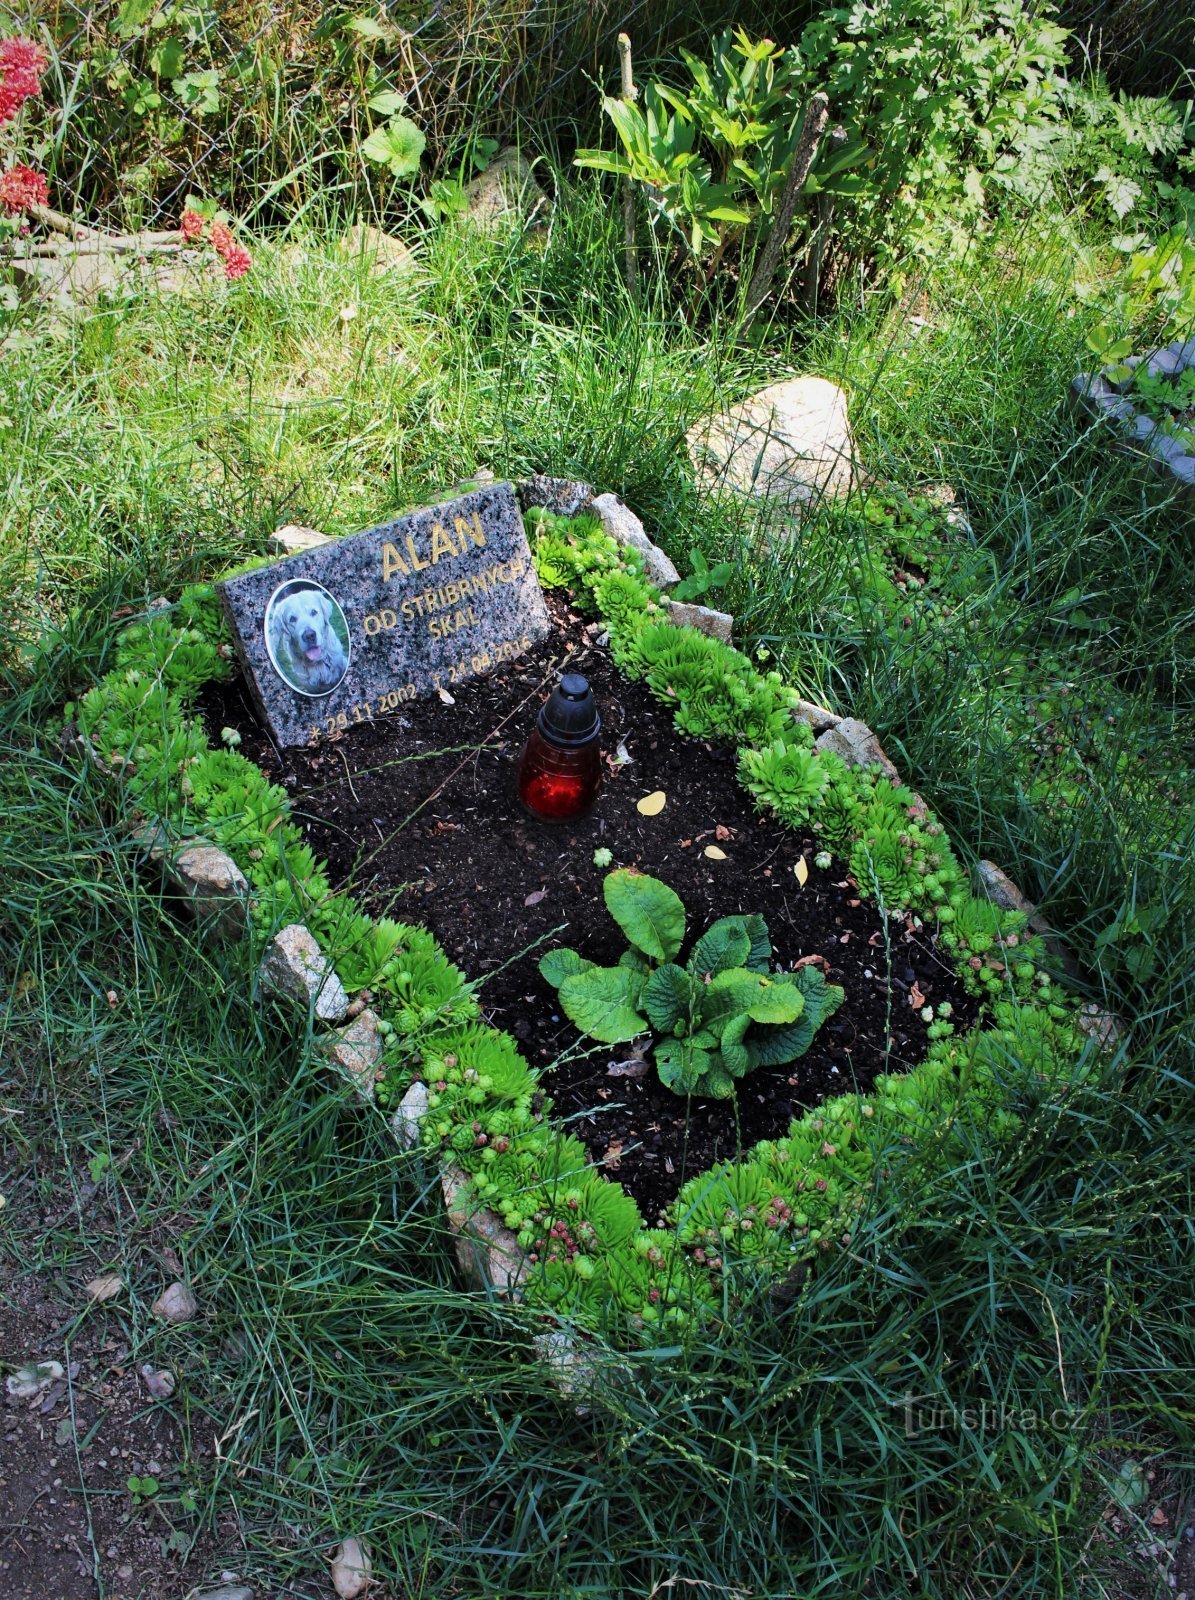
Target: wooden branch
[(57, 223), (630, 94), (821, 232), (96, 239), (817, 115)]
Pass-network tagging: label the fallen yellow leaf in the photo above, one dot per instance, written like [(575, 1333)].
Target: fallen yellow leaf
[(652, 804), (105, 1288), (802, 871), (714, 853)]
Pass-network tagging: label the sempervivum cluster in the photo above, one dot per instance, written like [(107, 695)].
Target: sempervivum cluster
[(22, 63), (234, 255)]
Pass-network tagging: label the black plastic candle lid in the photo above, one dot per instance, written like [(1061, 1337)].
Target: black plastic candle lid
[(570, 716)]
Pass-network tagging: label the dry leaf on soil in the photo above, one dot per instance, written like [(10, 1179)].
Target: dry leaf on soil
[(652, 804), (105, 1287), (802, 871)]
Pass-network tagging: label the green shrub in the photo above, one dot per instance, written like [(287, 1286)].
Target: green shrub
[(939, 94), (930, 99)]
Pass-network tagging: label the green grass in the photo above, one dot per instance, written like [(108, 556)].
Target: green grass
[(358, 1387), (363, 1390)]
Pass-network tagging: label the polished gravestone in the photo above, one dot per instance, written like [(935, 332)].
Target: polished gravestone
[(353, 629)]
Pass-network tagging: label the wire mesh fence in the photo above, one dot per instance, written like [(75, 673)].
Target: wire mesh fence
[(266, 107), (269, 105), (1145, 46)]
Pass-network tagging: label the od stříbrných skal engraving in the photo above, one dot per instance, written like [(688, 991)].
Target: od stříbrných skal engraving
[(351, 630)]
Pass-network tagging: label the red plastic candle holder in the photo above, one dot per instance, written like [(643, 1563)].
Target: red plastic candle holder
[(560, 769)]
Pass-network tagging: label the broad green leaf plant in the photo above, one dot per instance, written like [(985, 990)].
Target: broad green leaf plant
[(717, 1017)]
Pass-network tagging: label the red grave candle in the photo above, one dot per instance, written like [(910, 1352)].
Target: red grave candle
[(561, 766)]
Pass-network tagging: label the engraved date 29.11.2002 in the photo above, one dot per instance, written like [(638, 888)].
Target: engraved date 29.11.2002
[(390, 699)]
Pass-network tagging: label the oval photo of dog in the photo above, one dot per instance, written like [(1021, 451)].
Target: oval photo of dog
[(307, 637)]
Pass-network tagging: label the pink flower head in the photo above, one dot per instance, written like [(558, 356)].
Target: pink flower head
[(191, 226), (237, 261), (222, 239), (20, 188), (22, 63)]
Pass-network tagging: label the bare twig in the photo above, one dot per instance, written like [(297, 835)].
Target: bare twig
[(630, 94), (817, 114)]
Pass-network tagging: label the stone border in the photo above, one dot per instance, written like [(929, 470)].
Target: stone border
[(1104, 397), (294, 972)]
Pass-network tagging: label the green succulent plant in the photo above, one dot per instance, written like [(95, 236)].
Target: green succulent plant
[(788, 776), (182, 658)]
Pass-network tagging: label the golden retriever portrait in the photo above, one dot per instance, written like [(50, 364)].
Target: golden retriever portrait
[(307, 637)]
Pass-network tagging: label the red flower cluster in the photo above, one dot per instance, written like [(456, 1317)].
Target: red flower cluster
[(22, 63), (235, 257), (20, 188), (237, 261)]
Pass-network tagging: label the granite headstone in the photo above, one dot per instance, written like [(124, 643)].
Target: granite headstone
[(354, 629)]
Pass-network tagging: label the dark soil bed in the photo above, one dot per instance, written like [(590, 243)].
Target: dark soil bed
[(416, 813)]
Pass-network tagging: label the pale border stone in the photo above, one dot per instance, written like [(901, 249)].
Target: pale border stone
[(294, 538), (356, 1051), (623, 526), (488, 1254), (854, 742), (215, 887), (717, 624), (1003, 892), (407, 1121), (576, 1367), (819, 718), (295, 969)]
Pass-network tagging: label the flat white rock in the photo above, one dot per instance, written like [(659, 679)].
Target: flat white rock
[(790, 443)]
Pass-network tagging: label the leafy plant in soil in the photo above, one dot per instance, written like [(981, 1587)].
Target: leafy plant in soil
[(718, 1017)]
